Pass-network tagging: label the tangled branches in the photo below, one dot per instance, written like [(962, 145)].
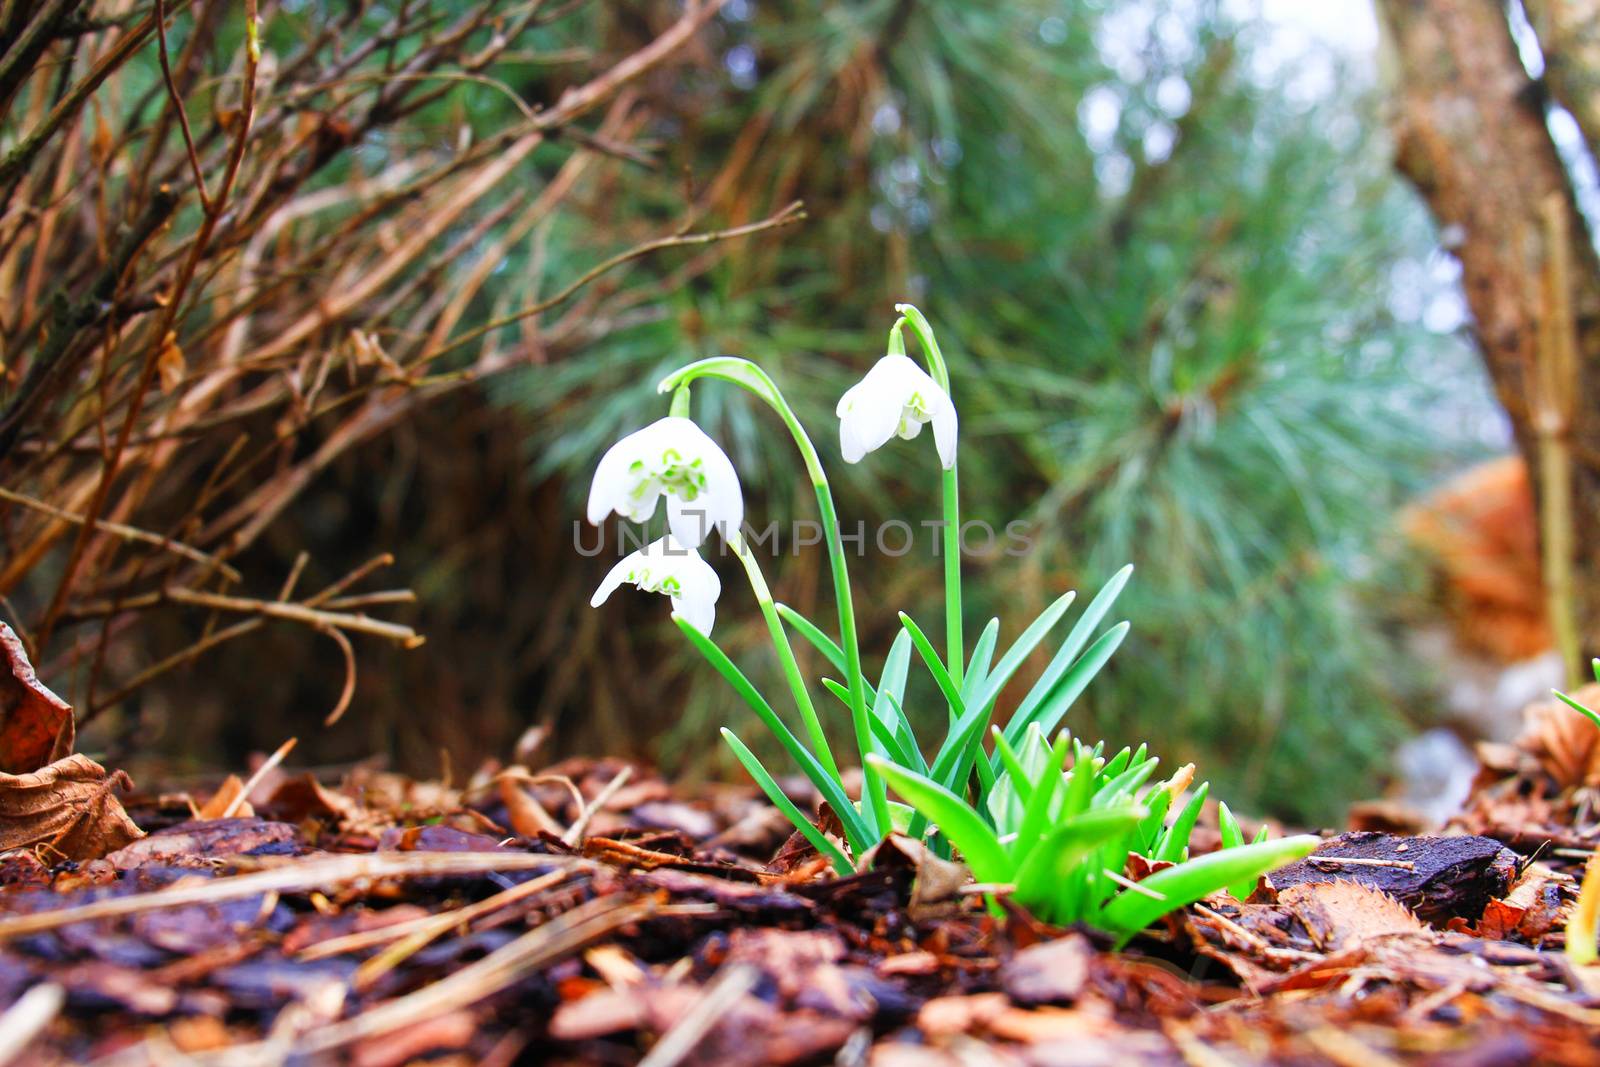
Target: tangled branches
[(230, 258)]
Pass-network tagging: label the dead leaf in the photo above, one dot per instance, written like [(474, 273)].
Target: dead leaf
[(223, 799), (1566, 744), (303, 797), (1340, 914), (35, 725), (526, 814), (1500, 921), (611, 1011), (1051, 972), (69, 809), (199, 843)]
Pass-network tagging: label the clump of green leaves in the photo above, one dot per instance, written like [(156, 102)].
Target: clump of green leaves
[(1061, 834)]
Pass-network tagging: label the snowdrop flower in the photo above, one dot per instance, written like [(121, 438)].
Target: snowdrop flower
[(666, 567), (896, 397), (674, 457)]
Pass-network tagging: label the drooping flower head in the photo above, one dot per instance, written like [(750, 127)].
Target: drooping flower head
[(667, 567), (897, 397), (673, 458)]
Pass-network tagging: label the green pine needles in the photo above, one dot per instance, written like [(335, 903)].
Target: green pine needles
[(1056, 834)]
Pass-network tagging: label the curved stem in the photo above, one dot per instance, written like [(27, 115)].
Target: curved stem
[(955, 647), (780, 642), (748, 376)]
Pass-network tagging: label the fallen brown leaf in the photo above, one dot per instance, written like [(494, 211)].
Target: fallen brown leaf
[(1566, 744), (303, 797), (35, 724), (222, 801), (69, 809), (1345, 913), (199, 843), (1049, 972)]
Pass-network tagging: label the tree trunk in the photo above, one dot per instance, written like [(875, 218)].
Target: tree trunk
[(1569, 36), (1470, 134)]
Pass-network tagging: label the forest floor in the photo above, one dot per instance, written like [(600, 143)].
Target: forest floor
[(591, 913)]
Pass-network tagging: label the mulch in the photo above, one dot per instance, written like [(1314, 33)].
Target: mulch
[(591, 913)]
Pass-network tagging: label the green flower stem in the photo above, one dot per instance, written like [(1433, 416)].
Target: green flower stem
[(780, 636), (748, 376), (955, 647), (780, 642)]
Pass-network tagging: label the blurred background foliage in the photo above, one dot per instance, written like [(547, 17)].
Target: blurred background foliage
[(1193, 320)]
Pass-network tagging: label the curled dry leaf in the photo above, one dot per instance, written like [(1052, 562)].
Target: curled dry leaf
[(1566, 744), (69, 809), (35, 724), (62, 804)]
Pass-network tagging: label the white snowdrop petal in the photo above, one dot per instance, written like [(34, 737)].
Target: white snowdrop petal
[(895, 398), (697, 612), (689, 522), (675, 458), (878, 421), (614, 578), (724, 496), (851, 397), (944, 433), (609, 487)]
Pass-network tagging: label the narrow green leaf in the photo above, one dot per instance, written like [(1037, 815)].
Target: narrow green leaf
[(1150, 830), (936, 667), (881, 731), (1067, 654), (1124, 785), (814, 635), (832, 791), (1036, 814), (982, 657), (1116, 764), (1045, 880), (908, 738), (769, 786), (892, 683), (1131, 911), (1049, 711), (955, 818), (1232, 833), (1029, 639), (820, 641), (1017, 775), (1175, 845), (1007, 799), (1080, 784), (1575, 706)]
